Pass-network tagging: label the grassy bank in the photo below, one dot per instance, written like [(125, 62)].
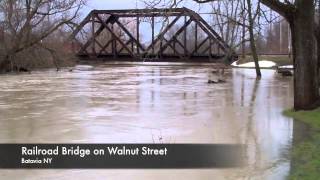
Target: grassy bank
[(305, 155), (281, 60)]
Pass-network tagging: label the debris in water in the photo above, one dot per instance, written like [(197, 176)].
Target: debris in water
[(284, 71), (216, 82)]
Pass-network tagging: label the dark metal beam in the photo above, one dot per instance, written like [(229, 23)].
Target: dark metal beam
[(93, 44), (196, 39), (152, 29), (138, 34)]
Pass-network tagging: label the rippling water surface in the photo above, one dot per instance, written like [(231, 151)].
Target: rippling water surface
[(150, 104)]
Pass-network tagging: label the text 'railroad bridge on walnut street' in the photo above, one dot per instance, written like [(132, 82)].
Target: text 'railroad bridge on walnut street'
[(178, 34)]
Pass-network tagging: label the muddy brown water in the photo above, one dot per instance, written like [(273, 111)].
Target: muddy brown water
[(150, 104)]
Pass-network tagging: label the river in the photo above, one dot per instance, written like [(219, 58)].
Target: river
[(150, 103)]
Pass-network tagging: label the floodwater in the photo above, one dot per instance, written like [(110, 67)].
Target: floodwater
[(150, 104)]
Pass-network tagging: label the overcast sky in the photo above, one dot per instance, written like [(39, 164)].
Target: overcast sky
[(131, 4)]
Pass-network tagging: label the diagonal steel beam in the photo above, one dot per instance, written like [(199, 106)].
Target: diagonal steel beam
[(87, 44), (105, 47), (127, 43), (99, 44), (205, 27), (130, 35), (115, 36), (160, 36), (182, 45), (199, 46), (81, 25), (175, 35), (173, 48)]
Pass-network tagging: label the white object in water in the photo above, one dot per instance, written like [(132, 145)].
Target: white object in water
[(83, 67), (287, 67), (262, 64)]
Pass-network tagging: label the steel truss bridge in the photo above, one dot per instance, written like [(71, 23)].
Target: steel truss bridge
[(178, 34)]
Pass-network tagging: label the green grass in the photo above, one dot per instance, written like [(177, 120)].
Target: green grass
[(305, 155), (311, 118), (280, 60)]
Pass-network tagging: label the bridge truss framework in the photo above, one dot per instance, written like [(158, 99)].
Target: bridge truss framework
[(172, 42)]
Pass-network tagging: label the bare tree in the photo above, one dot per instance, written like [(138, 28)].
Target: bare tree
[(300, 15), (227, 20), (26, 23), (228, 17), (251, 18)]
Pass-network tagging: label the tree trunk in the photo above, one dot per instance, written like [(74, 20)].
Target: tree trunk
[(306, 92), (318, 42), (318, 54), (5, 64), (317, 35), (252, 41), (243, 43)]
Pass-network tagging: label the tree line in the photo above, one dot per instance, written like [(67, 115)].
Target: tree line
[(32, 31), (303, 19)]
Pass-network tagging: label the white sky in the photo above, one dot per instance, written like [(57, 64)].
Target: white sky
[(131, 4)]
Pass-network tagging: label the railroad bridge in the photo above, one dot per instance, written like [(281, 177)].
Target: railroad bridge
[(178, 34)]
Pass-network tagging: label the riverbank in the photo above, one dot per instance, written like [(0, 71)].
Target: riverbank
[(305, 155), (28, 63)]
